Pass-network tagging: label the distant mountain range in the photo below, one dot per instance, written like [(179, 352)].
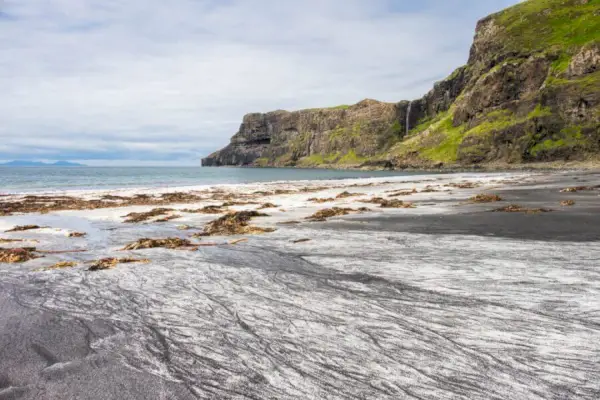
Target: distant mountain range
[(21, 163)]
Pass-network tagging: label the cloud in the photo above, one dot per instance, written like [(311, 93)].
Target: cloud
[(155, 80)]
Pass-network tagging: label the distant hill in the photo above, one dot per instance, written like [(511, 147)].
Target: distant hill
[(21, 163)]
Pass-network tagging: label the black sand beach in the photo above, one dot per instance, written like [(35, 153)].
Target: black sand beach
[(457, 303)]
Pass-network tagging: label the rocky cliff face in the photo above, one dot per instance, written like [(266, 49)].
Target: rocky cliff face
[(529, 92), (341, 135)]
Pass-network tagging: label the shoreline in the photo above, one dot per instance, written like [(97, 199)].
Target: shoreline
[(553, 166)]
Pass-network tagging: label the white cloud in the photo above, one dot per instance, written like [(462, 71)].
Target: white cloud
[(154, 79)]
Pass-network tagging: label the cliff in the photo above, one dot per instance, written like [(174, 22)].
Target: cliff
[(530, 92)]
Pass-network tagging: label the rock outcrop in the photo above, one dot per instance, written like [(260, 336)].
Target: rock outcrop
[(345, 134), (530, 92)]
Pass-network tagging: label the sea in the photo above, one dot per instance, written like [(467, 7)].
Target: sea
[(43, 179)]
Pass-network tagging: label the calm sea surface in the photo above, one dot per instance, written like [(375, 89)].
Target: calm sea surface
[(32, 179)]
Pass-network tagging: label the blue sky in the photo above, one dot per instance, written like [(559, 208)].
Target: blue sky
[(134, 82)]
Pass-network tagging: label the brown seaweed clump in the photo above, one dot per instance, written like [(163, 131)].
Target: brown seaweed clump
[(567, 203), (2, 240), (463, 185), (168, 243), (109, 263), (289, 222), (21, 228), (485, 198), (168, 218), (235, 223), (45, 204), (77, 234), (429, 189), (323, 215), (135, 217), (267, 205), (397, 193), (576, 189), (206, 210), (518, 208), (237, 203), (17, 255), (180, 197), (301, 240), (346, 194), (393, 203), (60, 265), (321, 200)]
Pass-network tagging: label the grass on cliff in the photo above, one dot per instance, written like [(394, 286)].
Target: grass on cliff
[(586, 84), (568, 138), (316, 160), (440, 140), (447, 150), (542, 25)]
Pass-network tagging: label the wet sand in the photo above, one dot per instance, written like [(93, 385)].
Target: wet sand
[(446, 300)]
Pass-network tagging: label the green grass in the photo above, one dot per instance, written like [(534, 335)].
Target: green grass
[(261, 162), (568, 138), (397, 129), (447, 150), (311, 161), (560, 65), (314, 160), (586, 84), (541, 25), (426, 123), (539, 112), (340, 107), (351, 158)]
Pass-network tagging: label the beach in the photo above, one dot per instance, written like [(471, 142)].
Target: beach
[(438, 286)]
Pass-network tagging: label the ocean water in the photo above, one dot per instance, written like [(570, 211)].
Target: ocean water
[(36, 179)]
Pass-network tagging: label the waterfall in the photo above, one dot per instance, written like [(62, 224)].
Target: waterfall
[(408, 117)]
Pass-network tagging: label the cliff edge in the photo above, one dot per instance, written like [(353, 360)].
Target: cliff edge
[(530, 92)]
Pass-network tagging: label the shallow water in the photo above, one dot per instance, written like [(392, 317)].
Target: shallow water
[(24, 179)]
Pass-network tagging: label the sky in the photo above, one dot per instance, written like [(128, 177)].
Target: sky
[(155, 82)]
